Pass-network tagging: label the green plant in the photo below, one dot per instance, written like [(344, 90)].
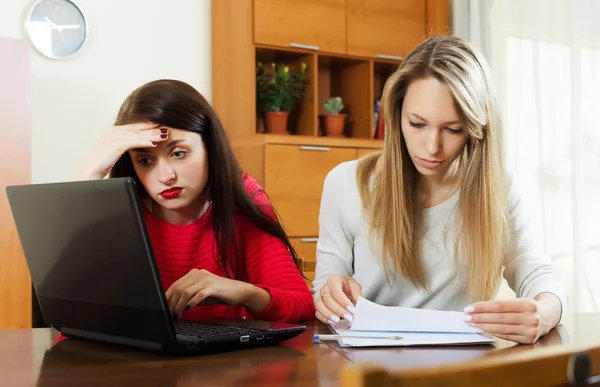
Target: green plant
[(334, 105), (279, 89)]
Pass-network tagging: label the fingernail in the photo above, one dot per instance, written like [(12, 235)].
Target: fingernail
[(163, 136), (351, 309), (163, 130), (469, 309), (331, 322), (348, 317), (334, 318), (466, 317)]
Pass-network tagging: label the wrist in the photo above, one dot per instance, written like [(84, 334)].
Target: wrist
[(88, 175), (254, 299), (549, 309)]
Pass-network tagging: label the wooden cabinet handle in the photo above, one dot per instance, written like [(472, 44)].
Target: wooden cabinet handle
[(315, 148), (309, 265), (309, 240), (306, 265), (304, 46), (392, 57)]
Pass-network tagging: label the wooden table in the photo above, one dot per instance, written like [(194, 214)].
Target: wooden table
[(28, 358)]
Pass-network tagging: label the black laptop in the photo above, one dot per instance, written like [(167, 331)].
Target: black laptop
[(93, 269)]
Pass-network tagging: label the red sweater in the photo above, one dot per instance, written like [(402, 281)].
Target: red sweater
[(179, 249)]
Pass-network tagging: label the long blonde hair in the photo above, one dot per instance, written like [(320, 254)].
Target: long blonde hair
[(388, 182)]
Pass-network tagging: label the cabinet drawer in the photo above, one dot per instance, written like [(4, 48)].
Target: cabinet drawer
[(294, 178), (306, 249), (318, 25)]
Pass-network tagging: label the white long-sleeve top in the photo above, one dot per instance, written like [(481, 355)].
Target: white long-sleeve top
[(343, 249)]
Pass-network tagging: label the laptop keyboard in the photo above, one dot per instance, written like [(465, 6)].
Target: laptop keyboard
[(207, 330)]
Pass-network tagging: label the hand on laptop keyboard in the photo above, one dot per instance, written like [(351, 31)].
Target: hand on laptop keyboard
[(201, 287)]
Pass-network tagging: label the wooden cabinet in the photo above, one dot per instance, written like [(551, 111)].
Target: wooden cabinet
[(306, 250), (365, 151), (301, 23), (384, 28), (294, 177), (351, 41)]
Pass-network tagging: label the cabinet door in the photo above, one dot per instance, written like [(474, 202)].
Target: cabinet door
[(294, 177), (301, 23), (306, 249), (384, 28), (365, 151)]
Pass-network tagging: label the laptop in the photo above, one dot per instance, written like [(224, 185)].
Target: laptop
[(93, 269)]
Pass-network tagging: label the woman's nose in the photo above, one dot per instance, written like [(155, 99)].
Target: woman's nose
[(433, 141), (166, 173)]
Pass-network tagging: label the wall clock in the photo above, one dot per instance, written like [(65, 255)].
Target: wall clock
[(58, 29)]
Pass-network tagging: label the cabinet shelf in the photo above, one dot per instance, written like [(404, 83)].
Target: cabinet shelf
[(359, 81), (321, 141)]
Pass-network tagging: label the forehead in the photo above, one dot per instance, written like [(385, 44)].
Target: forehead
[(177, 137), (183, 137), (430, 99), (180, 134)]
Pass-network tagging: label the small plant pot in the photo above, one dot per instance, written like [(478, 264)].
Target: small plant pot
[(276, 122), (333, 124)]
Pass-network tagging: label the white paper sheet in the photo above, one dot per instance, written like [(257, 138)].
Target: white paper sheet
[(411, 339), (417, 327), (374, 317)]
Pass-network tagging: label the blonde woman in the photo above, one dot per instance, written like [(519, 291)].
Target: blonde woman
[(434, 221)]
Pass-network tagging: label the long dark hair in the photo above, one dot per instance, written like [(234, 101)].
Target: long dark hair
[(178, 105)]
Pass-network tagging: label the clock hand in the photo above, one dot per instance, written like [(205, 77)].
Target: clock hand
[(67, 27), (50, 21)]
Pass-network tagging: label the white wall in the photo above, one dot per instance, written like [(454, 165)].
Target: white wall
[(130, 42)]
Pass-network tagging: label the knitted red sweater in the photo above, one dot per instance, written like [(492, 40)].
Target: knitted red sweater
[(179, 249)]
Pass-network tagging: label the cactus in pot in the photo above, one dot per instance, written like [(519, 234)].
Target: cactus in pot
[(334, 121)]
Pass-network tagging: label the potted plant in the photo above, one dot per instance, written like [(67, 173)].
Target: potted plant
[(333, 121), (277, 92)]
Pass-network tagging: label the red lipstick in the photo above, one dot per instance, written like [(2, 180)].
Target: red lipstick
[(171, 192)]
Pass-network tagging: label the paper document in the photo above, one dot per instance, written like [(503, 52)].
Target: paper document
[(415, 326)]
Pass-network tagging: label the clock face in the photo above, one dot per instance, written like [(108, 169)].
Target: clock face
[(57, 28)]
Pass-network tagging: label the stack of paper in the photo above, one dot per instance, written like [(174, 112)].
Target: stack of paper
[(374, 324)]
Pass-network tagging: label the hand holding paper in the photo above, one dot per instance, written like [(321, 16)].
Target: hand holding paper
[(338, 296), (523, 320)]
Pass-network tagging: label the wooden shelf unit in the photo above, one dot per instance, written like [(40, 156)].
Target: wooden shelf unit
[(350, 47), (358, 80)]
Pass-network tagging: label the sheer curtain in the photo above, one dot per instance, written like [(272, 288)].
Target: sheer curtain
[(545, 56)]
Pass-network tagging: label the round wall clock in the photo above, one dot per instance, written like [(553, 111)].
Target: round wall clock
[(57, 28)]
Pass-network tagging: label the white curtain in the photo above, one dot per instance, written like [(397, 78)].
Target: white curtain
[(545, 57)]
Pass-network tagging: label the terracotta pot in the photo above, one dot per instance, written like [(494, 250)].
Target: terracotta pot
[(276, 122), (333, 124)]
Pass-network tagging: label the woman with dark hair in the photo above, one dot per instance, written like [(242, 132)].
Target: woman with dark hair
[(219, 247)]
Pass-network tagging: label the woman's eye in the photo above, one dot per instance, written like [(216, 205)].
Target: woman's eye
[(179, 154), (416, 125), (144, 162), (454, 131)]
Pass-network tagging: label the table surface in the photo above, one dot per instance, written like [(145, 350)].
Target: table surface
[(29, 358)]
